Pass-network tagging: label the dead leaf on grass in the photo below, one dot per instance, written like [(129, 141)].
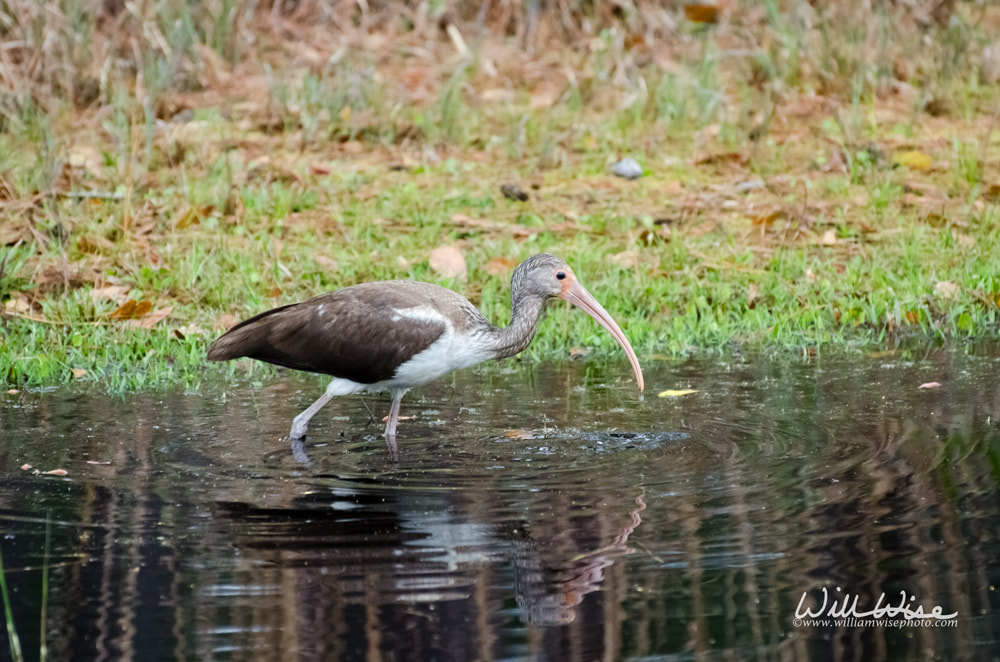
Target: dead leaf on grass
[(829, 238), (626, 259), (753, 293), (448, 261), (194, 214), (56, 472), (946, 289), (150, 320), (768, 219), (500, 265), (329, 264), (78, 373), (930, 385), (87, 158), (225, 321), (18, 303), (913, 159), (697, 13), (131, 309), (110, 293), (95, 245), (720, 158), (992, 194)]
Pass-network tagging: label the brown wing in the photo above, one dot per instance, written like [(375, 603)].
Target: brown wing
[(356, 333)]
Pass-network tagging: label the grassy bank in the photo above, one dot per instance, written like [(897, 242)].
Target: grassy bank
[(815, 178)]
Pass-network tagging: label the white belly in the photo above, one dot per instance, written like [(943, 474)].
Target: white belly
[(449, 352)]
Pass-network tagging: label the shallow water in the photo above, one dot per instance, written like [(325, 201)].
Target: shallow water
[(531, 513)]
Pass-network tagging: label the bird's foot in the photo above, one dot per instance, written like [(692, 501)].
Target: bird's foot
[(299, 452), (298, 432), (390, 447)]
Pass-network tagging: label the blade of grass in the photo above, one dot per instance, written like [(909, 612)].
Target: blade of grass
[(15, 642), (43, 649)]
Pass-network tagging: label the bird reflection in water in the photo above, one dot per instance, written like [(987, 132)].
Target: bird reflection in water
[(549, 596)]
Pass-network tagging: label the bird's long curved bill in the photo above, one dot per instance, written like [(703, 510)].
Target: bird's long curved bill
[(577, 295)]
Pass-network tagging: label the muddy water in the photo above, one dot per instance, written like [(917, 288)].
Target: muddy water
[(531, 513)]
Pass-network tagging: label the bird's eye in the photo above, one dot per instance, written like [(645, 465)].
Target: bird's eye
[(560, 275)]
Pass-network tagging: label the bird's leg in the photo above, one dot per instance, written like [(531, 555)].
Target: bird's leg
[(301, 422), (390, 426)]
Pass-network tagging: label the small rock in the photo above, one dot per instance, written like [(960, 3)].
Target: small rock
[(512, 192), (627, 168)]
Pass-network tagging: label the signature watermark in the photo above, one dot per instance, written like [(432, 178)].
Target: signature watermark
[(841, 610)]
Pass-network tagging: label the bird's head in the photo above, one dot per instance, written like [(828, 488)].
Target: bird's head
[(545, 276)]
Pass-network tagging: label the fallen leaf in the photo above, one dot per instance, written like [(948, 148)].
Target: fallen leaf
[(86, 158), (94, 245), (992, 194), (518, 434), (329, 264), (25, 467), (702, 13), (500, 265), (829, 238), (676, 393), (78, 372), (319, 168), (18, 304), (190, 330), (56, 472), (195, 214), (753, 293), (945, 289), (626, 259), (545, 96), (448, 261), (914, 159), (578, 351), (12, 391), (768, 219), (225, 321), (152, 319), (109, 293), (132, 309), (931, 385)]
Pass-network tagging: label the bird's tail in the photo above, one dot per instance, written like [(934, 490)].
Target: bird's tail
[(245, 339)]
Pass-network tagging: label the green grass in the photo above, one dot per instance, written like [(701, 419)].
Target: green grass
[(773, 214)]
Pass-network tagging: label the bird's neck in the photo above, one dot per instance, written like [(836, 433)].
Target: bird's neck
[(525, 316)]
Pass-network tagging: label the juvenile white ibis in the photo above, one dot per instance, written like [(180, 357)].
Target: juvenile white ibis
[(396, 334)]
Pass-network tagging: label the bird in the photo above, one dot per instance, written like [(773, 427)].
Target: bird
[(397, 334)]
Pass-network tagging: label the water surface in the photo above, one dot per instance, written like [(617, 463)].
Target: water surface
[(531, 513)]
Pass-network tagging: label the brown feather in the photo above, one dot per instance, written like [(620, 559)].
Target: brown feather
[(354, 333)]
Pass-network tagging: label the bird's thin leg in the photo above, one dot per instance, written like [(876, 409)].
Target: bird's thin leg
[(390, 426), (301, 422)]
